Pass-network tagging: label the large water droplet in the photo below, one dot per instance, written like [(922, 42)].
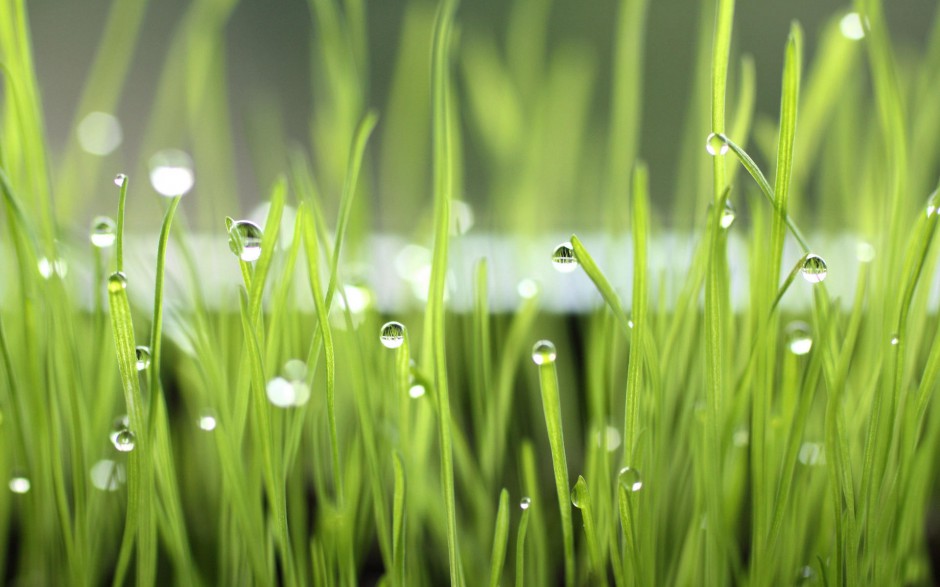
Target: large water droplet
[(107, 475), (125, 441), (543, 352), (143, 357), (564, 259), (171, 173), (716, 145), (103, 232), (117, 281), (814, 268), (630, 479), (525, 502), (119, 179), (392, 335), (579, 495), (244, 239), (727, 215), (799, 340), (19, 484)]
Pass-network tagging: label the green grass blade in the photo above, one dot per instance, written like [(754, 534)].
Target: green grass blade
[(500, 538), (640, 231), (398, 521), (520, 545), (581, 498)]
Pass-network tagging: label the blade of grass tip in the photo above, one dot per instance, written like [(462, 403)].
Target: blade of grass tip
[(398, 521), (122, 202), (482, 372), (525, 504), (581, 499), (628, 523), (140, 482), (500, 538), (272, 474), (544, 356), (640, 230), (269, 240), (715, 555), (312, 254), (531, 487), (443, 164), (600, 281)]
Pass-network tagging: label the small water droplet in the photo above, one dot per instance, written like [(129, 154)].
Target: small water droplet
[(143, 357), (727, 215), (125, 440), (171, 173), (244, 239), (49, 267), (416, 391), (120, 424), (281, 392), (543, 352), (524, 503), (851, 27), (895, 339), (107, 475), (814, 268), (103, 232), (19, 484), (119, 179), (630, 323), (527, 289), (392, 335), (579, 495), (933, 203), (207, 421), (716, 145), (117, 281), (799, 340), (564, 259), (630, 479), (864, 252)]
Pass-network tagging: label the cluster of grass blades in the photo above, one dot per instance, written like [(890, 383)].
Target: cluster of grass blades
[(298, 436)]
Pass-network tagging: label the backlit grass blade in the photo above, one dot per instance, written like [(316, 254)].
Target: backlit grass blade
[(520, 544), (586, 261), (500, 537), (581, 498), (640, 231), (551, 405)]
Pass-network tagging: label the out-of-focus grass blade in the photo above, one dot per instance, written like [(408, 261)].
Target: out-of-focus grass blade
[(640, 230), (398, 522)]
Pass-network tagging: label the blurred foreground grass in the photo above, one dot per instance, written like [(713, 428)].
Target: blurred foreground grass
[(644, 443)]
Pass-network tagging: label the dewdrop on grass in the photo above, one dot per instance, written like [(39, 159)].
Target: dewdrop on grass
[(392, 335), (579, 494), (799, 340), (814, 268), (117, 282), (244, 239), (124, 441), (716, 145), (543, 352), (171, 173), (103, 232), (630, 479), (564, 259), (143, 357), (727, 216)]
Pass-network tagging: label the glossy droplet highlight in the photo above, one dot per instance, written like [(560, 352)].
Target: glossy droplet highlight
[(716, 145), (524, 503), (416, 391), (125, 441), (103, 232), (171, 173), (727, 216), (543, 352), (244, 239), (630, 479), (579, 494), (933, 203), (895, 340), (851, 27), (119, 179), (99, 133), (20, 484), (392, 335), (207, 421), (117, 282), (120, 424), (280, 392), (143, 357), (527, 289), (564, 259), (799, 340), (814, 268)]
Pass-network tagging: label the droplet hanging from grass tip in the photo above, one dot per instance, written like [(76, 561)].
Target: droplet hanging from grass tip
[(579, 494), (814, 268), (543, 352), (143, 357), (244, 239), (799, 340), (630, 479), (524, 503), (119, 179), (392, 335), (716, 145), (103, 232), (117, 282), (564, 259), (171, 173), (727, 215), (125, 441)]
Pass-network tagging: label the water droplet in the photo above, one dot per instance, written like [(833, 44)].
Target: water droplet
[(564, 259), (864, 252), (461, 219), (119, 179), (99, 133), (49, 267), (143, 357), (416, 391), (392, 335), (799, 340), (609, 439), (525, 502), (117, 281), (716, 145), (120, 424), (543, 352), (527, 289), (281, 392), (107, 475), (630, 479), (727, 215), (171, 173), (295, 370), (852, 27), (103, 232), (933, 203), (814, 268), (125, 440), (806, 575), (579, 495), (895, 339), (19, 484), (207, 421), (244, 239), (811, 454), (630, 323)]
